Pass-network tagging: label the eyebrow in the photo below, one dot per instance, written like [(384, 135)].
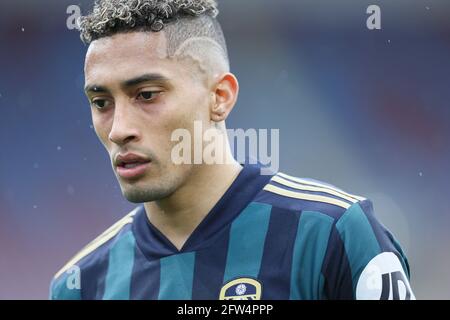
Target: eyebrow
[(148, 77)]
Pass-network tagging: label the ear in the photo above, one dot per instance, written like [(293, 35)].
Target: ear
[(224, 93)]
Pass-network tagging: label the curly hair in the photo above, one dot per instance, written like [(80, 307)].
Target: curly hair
[(190, 27), (113, 16)]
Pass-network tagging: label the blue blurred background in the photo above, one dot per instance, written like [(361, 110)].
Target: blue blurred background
[(365, 110)]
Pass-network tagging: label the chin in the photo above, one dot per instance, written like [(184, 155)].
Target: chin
[(145, 194), (151, 189)]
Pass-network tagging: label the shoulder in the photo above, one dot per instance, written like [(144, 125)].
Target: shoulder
[(353, 242), (66, 282), (345, 218), (325, 214), (309, 195)]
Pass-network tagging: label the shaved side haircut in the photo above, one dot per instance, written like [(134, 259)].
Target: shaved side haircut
[(190, 27)]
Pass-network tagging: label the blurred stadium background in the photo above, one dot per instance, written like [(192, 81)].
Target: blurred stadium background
[(365, 110)]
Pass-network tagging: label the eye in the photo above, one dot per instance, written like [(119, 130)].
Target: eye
[(147, 95), (100, 103)]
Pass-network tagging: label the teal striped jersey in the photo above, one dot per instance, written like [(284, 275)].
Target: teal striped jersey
[(268, 237)]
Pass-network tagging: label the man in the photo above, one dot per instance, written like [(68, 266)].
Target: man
[(207, 231)]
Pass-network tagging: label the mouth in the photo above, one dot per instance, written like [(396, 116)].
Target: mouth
[(131, 166)]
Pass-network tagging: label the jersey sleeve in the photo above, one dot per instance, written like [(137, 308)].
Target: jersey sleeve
[(363, 260)]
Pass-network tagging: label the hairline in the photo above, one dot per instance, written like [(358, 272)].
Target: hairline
[(205, 71)]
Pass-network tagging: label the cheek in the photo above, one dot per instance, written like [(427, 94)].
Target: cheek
[(174, 113), (177, 111), (102, 127), (195, 108)]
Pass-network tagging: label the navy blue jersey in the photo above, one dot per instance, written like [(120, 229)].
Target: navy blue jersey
[(268, 237)]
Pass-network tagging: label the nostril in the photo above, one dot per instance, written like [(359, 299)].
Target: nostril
[(121, 139), (130, 138)]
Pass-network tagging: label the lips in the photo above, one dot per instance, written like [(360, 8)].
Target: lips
[(130, 166)]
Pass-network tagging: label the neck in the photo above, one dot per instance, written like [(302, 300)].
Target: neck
[(178, 215)]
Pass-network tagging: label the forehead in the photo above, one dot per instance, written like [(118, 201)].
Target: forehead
[(127, 54)]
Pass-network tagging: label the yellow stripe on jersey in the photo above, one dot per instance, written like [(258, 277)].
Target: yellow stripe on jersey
[(297, 186), (97, 242), (317, 184), (306, 196)]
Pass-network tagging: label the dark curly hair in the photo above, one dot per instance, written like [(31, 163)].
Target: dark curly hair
[(182, 21), (112, 16)]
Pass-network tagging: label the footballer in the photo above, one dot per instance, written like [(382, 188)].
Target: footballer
[(207, 231)]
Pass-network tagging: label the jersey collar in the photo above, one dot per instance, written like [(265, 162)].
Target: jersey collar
[(242, 191)]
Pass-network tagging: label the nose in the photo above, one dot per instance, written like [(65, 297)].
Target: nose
[(124, 128)]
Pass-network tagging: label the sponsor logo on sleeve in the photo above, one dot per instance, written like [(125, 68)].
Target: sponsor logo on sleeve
[(384, 279)]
